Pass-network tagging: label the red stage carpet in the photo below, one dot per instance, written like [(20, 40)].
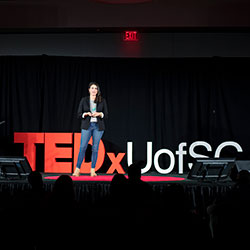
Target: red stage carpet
[(147, 178)]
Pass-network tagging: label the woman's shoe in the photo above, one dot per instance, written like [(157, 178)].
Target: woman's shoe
[(92, 172), (76, 173)]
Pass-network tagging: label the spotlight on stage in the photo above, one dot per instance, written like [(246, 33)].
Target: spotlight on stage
[(14, 168), (212, 169)]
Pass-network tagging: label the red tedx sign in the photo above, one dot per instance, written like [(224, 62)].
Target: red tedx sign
[(52, 152)]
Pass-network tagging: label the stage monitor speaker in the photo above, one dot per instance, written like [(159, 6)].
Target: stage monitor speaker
[(14, 168), (242, 165), (239, 166), (212, 169)]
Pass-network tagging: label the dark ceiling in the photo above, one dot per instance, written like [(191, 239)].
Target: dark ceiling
[(124, 13)]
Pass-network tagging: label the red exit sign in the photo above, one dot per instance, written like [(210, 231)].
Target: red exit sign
[(130, 36)]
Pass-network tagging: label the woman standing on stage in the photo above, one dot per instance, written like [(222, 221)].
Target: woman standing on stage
[(92, 110)]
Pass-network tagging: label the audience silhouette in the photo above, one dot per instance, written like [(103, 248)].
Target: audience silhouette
[(140, 192), (119, 189), (134, 210), (59, 213), (63, 195), (229, 215)]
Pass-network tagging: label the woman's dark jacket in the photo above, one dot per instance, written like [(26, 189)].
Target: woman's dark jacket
[(84, 107)]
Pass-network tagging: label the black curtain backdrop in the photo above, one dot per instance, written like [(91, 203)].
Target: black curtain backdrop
[(166, 101)]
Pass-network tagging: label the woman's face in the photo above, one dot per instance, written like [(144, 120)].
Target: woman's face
[(93, 90)]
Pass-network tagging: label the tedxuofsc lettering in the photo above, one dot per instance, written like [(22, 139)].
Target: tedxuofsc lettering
[(52, 151)]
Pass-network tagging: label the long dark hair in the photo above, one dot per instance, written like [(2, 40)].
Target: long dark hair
[(98, 95)]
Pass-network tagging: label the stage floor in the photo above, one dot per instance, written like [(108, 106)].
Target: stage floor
[(108, 178), (152, 178)]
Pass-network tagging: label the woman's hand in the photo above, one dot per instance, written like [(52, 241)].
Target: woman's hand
[(87, 114), (96, 114)]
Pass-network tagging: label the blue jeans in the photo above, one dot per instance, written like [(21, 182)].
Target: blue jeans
[(93, 131)]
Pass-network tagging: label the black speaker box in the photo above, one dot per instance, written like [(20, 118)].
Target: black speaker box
[(239, 166), (212, 169), (14, 168)]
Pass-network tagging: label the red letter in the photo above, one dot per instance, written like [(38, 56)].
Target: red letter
[(116, 163), (29, 148), (51, 152), (85, 167)]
